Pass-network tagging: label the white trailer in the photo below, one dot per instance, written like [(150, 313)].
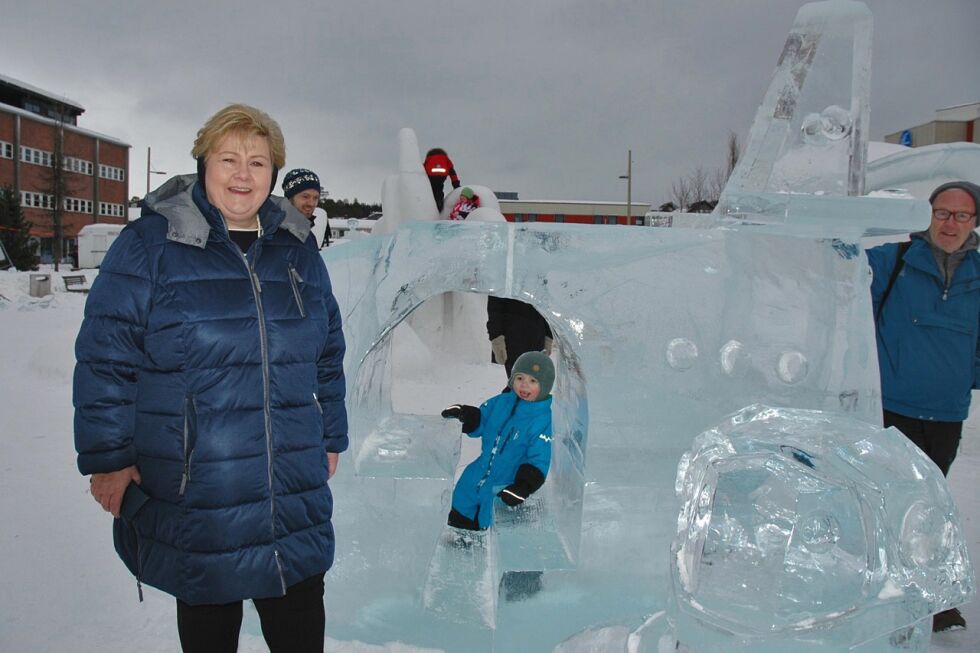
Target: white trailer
[(93, 242)]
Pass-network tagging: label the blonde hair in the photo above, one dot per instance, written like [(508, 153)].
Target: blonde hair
[(245, 121)]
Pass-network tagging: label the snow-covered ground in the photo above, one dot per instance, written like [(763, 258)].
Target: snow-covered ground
[(64, 589)]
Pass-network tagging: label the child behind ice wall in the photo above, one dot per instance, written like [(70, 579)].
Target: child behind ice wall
[(516, 449)]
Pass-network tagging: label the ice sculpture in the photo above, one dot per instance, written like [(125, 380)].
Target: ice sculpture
[(921, 169), (815, 531), (660, 334), (804, 161)]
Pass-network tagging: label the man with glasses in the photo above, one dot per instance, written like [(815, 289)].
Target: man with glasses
[(926, 296)]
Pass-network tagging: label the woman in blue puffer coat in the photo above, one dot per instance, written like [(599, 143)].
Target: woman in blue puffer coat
[(209, 394)]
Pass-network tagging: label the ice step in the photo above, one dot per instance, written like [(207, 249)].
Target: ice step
[(461, 586), (528, 537), (410, 446)]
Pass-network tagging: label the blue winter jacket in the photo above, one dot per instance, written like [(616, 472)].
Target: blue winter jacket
[(514, 432), (928, 344), (221, 378)]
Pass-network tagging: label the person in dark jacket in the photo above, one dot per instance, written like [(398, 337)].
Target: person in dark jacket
[(926, 296), (209, 395), (302, 188), (515, 428), (438, 166), (514, 328)]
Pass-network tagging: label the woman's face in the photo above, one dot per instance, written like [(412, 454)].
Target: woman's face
[(238, 177)]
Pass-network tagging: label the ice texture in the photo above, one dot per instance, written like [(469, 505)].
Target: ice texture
[(660, 334), (809, 141), (813, 528), (810, 132)]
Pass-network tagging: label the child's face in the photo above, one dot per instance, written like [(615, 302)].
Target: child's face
[(526, 387)]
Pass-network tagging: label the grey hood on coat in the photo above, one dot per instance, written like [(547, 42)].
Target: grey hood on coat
[(186, 224)]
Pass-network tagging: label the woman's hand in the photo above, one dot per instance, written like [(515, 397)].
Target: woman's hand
[(108, 489), (332, 460)]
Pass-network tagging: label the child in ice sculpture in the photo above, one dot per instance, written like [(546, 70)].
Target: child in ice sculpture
[(467, 203), (516, 449)]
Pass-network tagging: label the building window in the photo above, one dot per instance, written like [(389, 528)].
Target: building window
[(112, 210), (518, 217), (112, 172), (638, 221), (36, 200), (33, 107), (559, 217), (35, 156), (6, 150), (76, 205), (532, 217), (81, 166)]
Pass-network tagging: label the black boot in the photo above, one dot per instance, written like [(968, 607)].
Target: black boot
[(520, 585), (948, 620)]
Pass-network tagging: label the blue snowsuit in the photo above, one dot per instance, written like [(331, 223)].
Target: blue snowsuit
[(221, 378), (928, 334), (514, 432)]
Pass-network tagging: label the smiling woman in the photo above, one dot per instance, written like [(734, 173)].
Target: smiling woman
[(209, 394)]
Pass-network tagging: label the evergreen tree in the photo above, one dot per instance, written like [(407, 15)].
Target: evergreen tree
[(15, 232)]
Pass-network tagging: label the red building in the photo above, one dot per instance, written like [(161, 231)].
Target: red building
[(94, 183), (574, 212)]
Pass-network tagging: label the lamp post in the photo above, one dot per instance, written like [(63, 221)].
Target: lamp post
[(150, 171), (629, 186)]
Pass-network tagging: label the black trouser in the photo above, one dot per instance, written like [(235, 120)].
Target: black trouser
[(437, 184), (459, 520), (939, 440), (291, 623)]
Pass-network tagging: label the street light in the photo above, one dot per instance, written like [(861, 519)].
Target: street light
[(629, 186), (150, 171)]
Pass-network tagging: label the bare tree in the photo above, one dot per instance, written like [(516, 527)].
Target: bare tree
[(680, 193), (734, 151), (703, 186), (59, 186)]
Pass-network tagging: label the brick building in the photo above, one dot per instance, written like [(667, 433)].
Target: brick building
[(952, 125), (573, 212), (96, 167)]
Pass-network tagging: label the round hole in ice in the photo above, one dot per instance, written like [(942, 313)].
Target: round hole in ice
[(734, 359), (681, 353), (819, 531), (792, 367)]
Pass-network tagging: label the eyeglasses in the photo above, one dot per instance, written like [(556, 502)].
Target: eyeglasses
[(961, 216)]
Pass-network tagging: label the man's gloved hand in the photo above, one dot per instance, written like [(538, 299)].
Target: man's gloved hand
[(468, 415), (499, 347), (548, 344), (511, 495)]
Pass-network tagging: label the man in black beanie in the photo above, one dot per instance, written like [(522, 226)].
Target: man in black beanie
[(926, 296), (302, 188)]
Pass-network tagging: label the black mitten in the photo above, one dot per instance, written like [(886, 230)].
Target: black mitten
[(526, 482), (468, 415)]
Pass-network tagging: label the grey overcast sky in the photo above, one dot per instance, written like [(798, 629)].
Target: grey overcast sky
[(542, 97)]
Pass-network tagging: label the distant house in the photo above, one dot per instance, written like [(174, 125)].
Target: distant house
[(96, 166)]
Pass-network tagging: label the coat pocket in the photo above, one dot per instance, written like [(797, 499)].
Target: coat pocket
[(190, 440), (295, 280)]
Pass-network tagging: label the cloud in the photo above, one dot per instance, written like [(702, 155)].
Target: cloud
[(543, 98)]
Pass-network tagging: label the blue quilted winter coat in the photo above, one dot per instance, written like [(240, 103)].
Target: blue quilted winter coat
[(928, 334), (514, 432), (221, 378)]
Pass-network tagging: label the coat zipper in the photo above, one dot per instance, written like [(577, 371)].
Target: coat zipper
[(294, 281), (190, 411), (266, 407), (139, 564), (494, 452)]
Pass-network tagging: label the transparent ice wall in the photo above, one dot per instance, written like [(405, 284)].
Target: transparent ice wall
[(662, 332), (809, 138), (814, 531)]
